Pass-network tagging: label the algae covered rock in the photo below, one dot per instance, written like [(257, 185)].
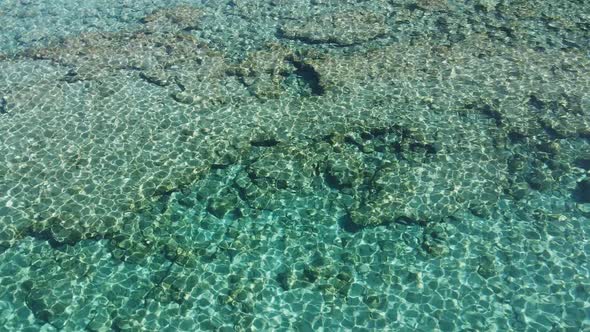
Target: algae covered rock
[(582, 192), (117, 125), (344, 170), (177, 18), (342, 28), (431, 189), (487, 266), (284, 168), (224, 203), (277, 71), (434, 239)]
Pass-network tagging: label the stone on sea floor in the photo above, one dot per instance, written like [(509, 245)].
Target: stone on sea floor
[(285, 279), (488, 5), (283, 167), (342, 28), (487, 266), (185, 97), (49, 300), (3, 106), (178, 18), (583, 161), (277, 71), (582, 192), (157, 77), (434, 240), (375, 301), (584, 208), (376, 212), (226, 202), (344, 170), (264, 86), (539, 179)]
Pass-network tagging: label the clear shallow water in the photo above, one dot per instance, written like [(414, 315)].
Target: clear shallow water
[(274, 165)]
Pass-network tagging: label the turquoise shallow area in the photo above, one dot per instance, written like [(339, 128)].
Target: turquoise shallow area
[(308, 165)]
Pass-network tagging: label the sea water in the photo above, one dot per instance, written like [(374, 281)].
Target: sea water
[(308, 165)]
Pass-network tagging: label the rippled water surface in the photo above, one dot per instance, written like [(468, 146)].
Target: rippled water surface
[(301, 165)]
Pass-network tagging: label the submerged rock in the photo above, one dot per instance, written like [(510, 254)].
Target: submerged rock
[(224, 203), (343, 28), (434, 240), (487, 266), (184, 18), (582, 192)]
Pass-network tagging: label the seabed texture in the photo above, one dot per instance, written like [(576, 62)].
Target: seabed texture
[(295, 165)]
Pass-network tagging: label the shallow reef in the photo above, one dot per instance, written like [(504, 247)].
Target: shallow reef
[(296, 165)]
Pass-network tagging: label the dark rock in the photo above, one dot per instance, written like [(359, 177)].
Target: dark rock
[(538, 180), (3, 105), (434, 240), (225, 203), (487, 267), (582, 192), (518, 190), (375, 301), (343, 28), (583, 163), (155, 77), (285, 279), (310, 274), (516, 163)]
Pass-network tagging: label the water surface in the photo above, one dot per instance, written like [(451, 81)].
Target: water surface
[(294, 165)]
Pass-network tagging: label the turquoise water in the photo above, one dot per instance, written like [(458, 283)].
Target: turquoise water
[(306, 165)]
